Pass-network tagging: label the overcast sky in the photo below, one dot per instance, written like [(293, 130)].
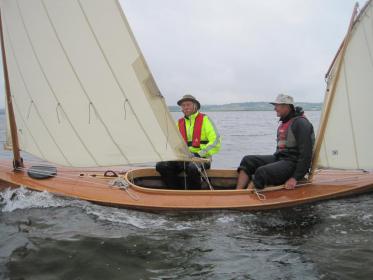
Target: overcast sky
[(225, 51)]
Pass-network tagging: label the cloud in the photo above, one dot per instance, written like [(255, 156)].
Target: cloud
[(239, 50)]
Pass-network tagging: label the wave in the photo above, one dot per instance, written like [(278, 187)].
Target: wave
[(22, 198)]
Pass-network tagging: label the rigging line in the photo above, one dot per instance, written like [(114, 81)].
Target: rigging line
[(11, 47), (82, 87), (50, 86), (350, 114), (203, 173), (206, 176), (117, 82)]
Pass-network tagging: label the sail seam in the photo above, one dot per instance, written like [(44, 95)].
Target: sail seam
[(83, 89), (367, 43), (33, 103), (350, 115), (126, 25), (116, 80), (48, 83)]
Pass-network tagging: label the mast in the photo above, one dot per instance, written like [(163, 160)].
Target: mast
[(329, 102), (17, 159)]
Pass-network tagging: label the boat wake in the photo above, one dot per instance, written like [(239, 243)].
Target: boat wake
[(13, 199), (22, 198)]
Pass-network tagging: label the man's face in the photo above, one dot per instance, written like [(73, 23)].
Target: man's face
[(188, 108), (282, 110)]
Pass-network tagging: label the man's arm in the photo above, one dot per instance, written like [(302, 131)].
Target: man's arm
[(303, 132), (213, 137)]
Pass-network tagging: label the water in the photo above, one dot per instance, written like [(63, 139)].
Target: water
[(48, 237)]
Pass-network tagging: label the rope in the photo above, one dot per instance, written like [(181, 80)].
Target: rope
[(259, 194), (122, 184), (203, 174)]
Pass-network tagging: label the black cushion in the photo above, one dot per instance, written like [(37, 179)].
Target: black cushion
[(42, 171)]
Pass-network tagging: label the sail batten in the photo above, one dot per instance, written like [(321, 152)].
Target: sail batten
[(349, 132), (76, 64)]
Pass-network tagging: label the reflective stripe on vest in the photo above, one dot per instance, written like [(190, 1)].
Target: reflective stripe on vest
[(197, 129)]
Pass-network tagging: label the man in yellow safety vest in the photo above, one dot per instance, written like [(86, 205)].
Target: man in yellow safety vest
[(203, 140)]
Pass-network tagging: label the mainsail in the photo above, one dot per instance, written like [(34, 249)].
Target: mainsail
[(348, 136), (82, 92)]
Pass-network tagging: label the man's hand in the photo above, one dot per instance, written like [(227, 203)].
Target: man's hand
[(290, 184)]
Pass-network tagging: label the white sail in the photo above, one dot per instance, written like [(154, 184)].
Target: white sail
[(347, 143), (82, 92)]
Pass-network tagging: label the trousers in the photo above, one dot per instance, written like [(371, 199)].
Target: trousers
[(170, 170), (267, 170)]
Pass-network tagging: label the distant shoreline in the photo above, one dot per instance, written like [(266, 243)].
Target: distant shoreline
[(250, 106), (244, 106)]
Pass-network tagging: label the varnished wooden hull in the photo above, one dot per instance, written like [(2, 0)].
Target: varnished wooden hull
[(90, 185)]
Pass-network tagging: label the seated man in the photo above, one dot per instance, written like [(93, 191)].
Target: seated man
[(292, 159), (203, 140)]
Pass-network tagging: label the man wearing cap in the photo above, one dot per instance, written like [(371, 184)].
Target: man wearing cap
[(203, 140), (292, 159)]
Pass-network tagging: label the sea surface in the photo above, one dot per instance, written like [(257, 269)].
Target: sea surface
[(47, 237)]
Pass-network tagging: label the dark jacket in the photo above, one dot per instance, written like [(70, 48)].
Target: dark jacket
[(301, 139)]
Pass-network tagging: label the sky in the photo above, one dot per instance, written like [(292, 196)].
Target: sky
[(227, 51)]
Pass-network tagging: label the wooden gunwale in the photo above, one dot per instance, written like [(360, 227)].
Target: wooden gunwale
[(100, 192)]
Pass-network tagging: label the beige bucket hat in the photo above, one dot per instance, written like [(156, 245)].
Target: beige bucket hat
[(189, 97)]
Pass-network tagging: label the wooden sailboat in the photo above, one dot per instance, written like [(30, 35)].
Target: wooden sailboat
[(80, 95)]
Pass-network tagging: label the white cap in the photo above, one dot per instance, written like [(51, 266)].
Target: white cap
[(283, 99)]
